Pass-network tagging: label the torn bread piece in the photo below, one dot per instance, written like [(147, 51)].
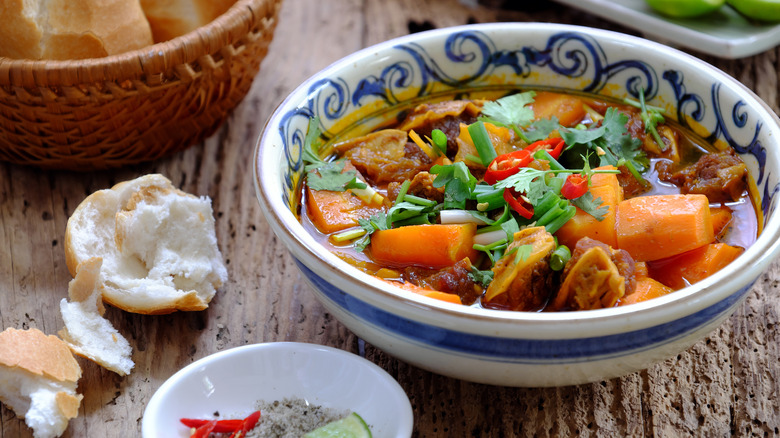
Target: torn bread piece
[(86, 332), (158, 245), (38, 378)]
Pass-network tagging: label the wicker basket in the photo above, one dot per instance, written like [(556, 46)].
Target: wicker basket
[(137, 106)]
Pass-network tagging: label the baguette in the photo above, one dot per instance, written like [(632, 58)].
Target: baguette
[(158, 245), (86, 332), (172, 18), (71, 29), (38, 377)]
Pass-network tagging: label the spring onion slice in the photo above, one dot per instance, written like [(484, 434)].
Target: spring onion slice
[(481, 139), (490, 237), (464, 217)]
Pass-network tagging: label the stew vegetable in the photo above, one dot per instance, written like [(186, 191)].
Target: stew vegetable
[(536, 201)]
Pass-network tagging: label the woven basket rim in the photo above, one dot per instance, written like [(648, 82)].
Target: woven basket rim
[(157, 58)]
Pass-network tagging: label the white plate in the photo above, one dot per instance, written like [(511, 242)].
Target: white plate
[(232, 381), (724, 33)]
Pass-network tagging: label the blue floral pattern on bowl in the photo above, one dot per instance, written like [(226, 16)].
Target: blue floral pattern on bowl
[(566, 55), (377, 85)]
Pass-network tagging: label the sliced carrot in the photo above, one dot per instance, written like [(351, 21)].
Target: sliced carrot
[(679, 271), (336, 211), (430, 293), (432, 246), (646, 289), (583, 224), (721, 217), (567, 108), (660, 226), (607, 179)]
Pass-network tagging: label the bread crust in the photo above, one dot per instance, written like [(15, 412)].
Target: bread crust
[(169, 19), (71, 29), (98, 227), (38, 354)]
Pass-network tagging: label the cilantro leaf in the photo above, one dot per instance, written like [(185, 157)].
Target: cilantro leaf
[(541, 129), (611, 142), (509, 110), (310, 153), (332, 176), (376, 222), (591, 206), (481, 277), (446, 173), (521, 181)]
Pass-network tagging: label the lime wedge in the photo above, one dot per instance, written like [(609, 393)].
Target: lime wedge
[(764, 10), (685, 8), (351, 426)]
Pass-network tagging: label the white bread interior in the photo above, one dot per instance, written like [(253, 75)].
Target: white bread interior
[(172, 18), (38, 378), (71, 29), (158, 245), (86, 332)]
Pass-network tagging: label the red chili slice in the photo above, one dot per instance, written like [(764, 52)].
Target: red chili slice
[(575, 186), (220, 427), (506, 165), (553, 146), (513, 199), (205, 430), (248, 424)]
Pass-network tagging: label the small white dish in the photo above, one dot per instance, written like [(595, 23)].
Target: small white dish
[(724, 33), (232, 381)]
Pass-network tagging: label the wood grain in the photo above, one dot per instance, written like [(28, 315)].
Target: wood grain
[(727, 384)]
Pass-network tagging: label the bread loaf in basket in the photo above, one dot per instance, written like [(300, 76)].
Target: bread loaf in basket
[(136, 106)]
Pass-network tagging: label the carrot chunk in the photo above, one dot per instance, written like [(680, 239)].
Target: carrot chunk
[(721, 218), (567, 108), (431, 246), (646, 289), (430, 293), (336, 211), (656, 227), (679, 271), (583, 224)]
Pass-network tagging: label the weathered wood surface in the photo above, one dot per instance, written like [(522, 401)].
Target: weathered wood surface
[(728, 384)]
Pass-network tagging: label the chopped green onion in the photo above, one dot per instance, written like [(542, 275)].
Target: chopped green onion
[(419, 201), (402, 192), (481, 139), (553, 212), (542, 154), (560, 256), (473, 158), (439, 139), (348, 235), (548, 201), (555, 183), (489, 247), (490, 237), (493, 199), (463, 217), (558, 222)]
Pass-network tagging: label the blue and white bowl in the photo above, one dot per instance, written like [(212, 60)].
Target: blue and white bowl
[(361, 92)]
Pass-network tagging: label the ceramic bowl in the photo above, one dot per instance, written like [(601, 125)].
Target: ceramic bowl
[(364, 90), (232, 381)]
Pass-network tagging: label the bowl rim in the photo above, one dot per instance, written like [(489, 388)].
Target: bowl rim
[(686, 301)]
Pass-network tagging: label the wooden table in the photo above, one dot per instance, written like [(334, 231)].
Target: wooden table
[(728, 383)]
